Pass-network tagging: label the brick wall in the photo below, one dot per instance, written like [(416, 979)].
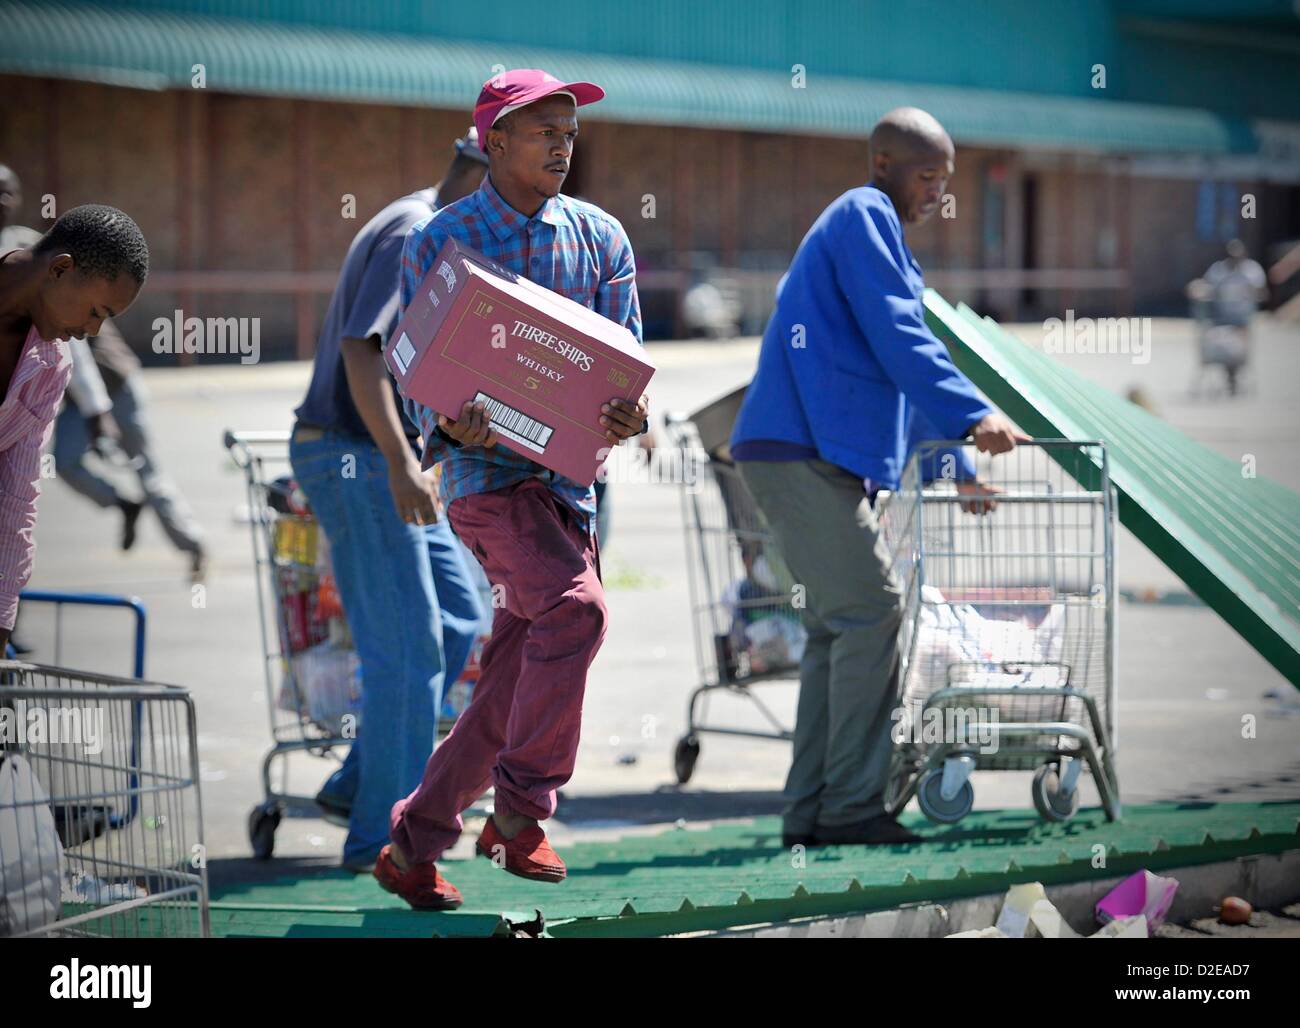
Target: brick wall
[(263, 197), (267, 177)]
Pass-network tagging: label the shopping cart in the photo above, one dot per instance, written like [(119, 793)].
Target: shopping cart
[(312, 672), (58, 601), (101, 825), (286, 564), (1007, 641), (745, 625), (1217, 345)]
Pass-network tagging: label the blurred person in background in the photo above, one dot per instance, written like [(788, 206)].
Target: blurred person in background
[(410, 602), (1226, 298), (12, 235), (112, 406)]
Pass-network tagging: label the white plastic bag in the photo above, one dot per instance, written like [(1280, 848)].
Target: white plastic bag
[(31, 856), (329, 681), (774, 642), (957, 634)]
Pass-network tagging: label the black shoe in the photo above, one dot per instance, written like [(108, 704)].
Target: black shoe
[(334, 810), (877, 831), (79, 824), (130, 514), (789, 840)]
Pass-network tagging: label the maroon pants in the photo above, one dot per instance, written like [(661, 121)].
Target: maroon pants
[(520, 730)]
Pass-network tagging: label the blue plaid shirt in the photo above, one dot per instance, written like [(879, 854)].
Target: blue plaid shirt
[(570, 246)]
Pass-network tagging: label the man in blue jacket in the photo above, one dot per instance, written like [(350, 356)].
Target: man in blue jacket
[(847, 375)]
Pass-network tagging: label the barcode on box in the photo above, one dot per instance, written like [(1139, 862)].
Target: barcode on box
[(516, 425), (403, 353)]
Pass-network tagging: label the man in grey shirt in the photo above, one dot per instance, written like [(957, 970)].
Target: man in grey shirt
[(409, 599)]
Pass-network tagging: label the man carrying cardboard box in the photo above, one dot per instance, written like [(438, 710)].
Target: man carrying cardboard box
[(532, 529)]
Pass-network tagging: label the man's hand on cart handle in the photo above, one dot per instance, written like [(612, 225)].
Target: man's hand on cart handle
[(623, 419), (413, 492), (995, 434), (979, 496), (472, 428)]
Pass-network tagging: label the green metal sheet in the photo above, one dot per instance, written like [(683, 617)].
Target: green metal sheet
[(158, 49), (1234, 540), (739, 873)]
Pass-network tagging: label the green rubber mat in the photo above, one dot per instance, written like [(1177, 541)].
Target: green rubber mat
[(738, 873), (1234, 540)]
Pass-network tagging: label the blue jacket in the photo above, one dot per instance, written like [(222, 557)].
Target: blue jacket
[(847, 353)]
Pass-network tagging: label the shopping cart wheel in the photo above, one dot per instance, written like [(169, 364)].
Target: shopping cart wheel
[(262, 822), (685, 756), (938, 809), (1050, 803)]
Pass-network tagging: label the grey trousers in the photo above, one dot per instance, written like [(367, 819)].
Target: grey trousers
[(71, 442), (848, 679)]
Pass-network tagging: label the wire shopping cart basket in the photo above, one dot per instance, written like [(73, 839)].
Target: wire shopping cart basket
[(746, 627), (101, 824), (311, 671), (1007, 640), (1217, 345)]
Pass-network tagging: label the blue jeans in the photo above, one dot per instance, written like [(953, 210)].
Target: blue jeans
[(414, 615)]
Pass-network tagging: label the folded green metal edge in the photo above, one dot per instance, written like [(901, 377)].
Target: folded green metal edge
[(804, 903), (1185, 549)]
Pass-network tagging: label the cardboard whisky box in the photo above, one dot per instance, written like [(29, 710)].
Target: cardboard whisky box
[(542, 364)]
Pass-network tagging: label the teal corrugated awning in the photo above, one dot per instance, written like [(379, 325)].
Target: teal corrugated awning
[(157, 50), (1234, 540)]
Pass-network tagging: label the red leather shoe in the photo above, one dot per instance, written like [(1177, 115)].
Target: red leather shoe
[(528, 854), (420, 884)]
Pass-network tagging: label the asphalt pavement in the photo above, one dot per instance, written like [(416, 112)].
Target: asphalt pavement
[(1185, 679)]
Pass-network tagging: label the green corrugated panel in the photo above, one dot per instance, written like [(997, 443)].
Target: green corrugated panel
[(1235, 541), (739, 873), (158, 50)]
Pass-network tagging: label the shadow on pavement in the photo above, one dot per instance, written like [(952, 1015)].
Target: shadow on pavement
[(225, 872), (666, 804), (1252, 788)]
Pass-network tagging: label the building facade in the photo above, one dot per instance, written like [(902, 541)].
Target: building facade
[(1105, 155)]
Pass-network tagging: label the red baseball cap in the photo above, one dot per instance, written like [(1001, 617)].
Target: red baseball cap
[(521, 86)]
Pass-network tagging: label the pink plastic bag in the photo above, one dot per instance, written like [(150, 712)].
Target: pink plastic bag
[(1139, 893)]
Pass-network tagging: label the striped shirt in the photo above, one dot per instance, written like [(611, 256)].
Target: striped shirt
[(26, 422), (569, 246)]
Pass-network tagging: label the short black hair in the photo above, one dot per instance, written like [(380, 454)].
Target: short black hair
[(103, 241)]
